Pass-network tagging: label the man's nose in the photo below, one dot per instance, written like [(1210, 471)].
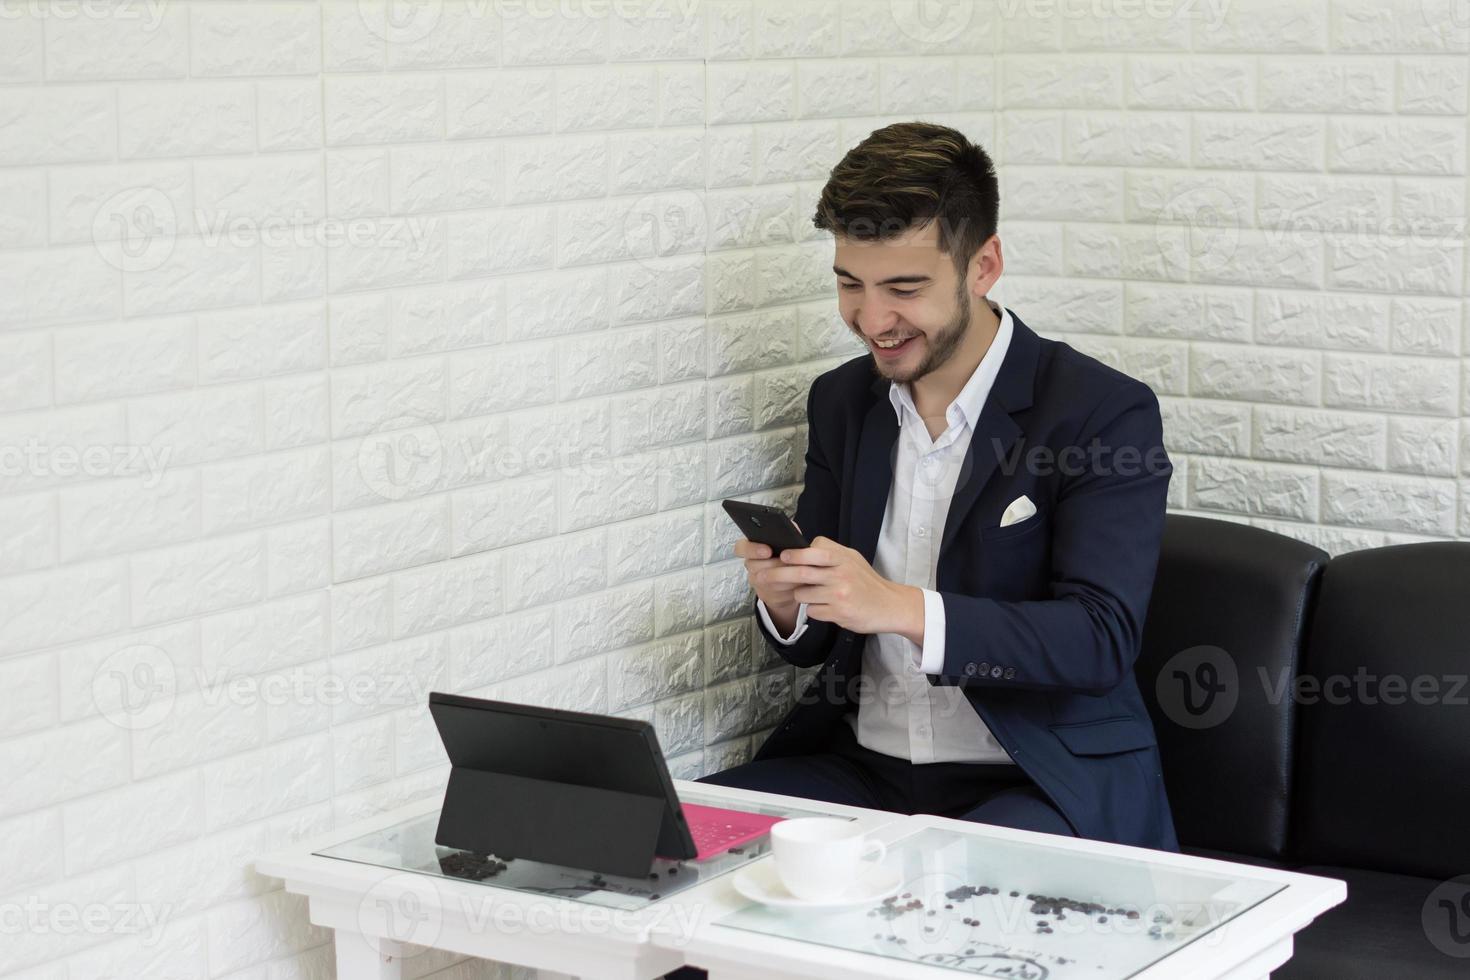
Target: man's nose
[(874, 317)]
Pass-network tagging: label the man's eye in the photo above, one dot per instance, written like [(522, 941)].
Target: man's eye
[(905, 293), (849, 285)]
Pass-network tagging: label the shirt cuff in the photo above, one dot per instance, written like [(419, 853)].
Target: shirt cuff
[(931, 658), (796, 630)]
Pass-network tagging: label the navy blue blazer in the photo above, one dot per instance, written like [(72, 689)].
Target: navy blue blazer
[(1043, 618)]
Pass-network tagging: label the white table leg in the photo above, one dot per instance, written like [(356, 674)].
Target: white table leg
[(361, 957)]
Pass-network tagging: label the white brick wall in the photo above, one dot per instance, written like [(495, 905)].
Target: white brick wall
[(349, 355)]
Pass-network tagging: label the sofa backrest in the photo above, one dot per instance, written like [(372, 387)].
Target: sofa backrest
[(1225, 626), (1384, 708)]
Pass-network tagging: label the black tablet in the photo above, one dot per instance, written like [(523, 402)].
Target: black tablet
[(565, 787)]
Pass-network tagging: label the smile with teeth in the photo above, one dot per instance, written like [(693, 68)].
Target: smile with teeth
[(892, 343)]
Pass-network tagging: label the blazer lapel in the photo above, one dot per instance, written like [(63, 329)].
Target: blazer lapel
[(995, 434), (874, 471), (995, 431)]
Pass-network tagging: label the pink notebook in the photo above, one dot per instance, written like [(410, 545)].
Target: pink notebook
[(716, 830)]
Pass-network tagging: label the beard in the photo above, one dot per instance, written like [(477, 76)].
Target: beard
[(939, 346)]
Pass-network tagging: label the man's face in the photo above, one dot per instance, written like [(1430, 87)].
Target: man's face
[(905, 290)]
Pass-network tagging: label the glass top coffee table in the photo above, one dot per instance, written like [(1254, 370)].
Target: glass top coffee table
[(409, 846), (992, 902)]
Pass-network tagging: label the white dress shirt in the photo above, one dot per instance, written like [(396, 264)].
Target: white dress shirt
[(899, 712)]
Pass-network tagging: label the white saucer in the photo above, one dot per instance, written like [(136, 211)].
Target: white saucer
[(760, 883)]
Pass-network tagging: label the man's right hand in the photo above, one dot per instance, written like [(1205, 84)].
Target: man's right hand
[(779, 597)]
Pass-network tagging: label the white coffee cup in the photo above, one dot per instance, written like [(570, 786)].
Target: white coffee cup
[(820, 858)]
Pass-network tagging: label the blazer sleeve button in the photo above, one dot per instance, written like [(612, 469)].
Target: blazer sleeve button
[(969, 670), (1010, 672), (996, 671)]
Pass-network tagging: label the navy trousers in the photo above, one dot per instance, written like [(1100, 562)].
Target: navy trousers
[(999, 794)]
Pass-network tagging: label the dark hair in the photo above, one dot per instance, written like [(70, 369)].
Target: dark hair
[(905, 175)]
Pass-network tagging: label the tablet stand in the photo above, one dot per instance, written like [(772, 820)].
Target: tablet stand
[(582, 827)]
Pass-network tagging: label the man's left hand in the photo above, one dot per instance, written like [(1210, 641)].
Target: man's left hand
[(839, 586)]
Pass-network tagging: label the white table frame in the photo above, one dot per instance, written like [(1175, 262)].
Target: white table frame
[(598, 943)]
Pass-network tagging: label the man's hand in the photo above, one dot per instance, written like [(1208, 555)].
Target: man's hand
[(839, 586)]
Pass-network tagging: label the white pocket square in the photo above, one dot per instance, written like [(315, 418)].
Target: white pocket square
[(1019, 509)]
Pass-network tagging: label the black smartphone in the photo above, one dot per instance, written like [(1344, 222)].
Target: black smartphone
[(766, 525)]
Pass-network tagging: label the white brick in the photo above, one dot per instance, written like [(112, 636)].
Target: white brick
[(263, 490), (58, 286), (298, 557), (288, 114), (383, 109), (1426, 326), (198, 425), (1321, 320), (1395, 25), (499, 103), (257, 190), (157, 813), (1193, 82), (1294, 435), (1233, 141), (1396, 146), (1057, 82), (442, 178), (600, 364), (396, 251), (555, 169), (618, 97), (20, 49), (1395, 265), (258, 784), (255, 39), (23, 207), (1326, 85), (129, 514), (1188, 312), (1215, 428), (192, 579), (1423, 446), (601, 491), (592, 624), (32, 849), (1397, 503), (489, 243), (57, 125), (750, 92), (1044, 193), (484, 518), (378, 398), (185, 118), (1128, 139), (1391, 384), (1262, 25), (28, 533), (296, 412), (271, 340), (197, 274), (1432, 85), (46, 608), (62, 764), (1248, 374), (1253, 488), (381, 539), (446, 594)]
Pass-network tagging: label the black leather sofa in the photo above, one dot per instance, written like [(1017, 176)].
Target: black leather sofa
[(1313, 713)]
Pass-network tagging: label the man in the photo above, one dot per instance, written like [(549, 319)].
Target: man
[(985, 510)]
